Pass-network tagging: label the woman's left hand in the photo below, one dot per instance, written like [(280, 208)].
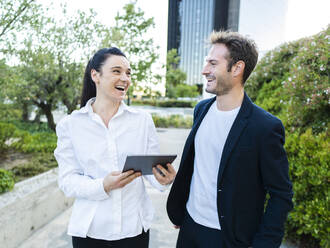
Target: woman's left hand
[(168, 174)]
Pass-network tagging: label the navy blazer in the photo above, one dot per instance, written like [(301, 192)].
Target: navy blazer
[(253, 163)]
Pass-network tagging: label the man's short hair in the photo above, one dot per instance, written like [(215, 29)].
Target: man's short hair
[(239, 47)]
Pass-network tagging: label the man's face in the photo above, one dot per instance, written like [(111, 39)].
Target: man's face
[(218, 78)]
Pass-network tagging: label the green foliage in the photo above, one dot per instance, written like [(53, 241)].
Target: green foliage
[(184, 90), (26, 137), (310, 172), (292, 82), (165, 103), (275, 65), (129, 34), (6, 132), (36, 142), (174, 75), (9, 112), (39, 163), (6, 181), (32, 127), (16, 16), (175, 78), (51, 64), (177, 121), (308, 85)]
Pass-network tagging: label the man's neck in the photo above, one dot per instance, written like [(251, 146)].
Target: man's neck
[(232, 100)]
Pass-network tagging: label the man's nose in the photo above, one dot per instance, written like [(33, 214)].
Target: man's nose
[(205, 70)]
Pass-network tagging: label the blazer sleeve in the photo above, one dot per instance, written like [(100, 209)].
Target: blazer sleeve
[(274, 170), (71, 178)]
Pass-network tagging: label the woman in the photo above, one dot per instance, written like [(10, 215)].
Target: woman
[(111, 209)]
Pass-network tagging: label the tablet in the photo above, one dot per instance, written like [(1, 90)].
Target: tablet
[(144, 163)]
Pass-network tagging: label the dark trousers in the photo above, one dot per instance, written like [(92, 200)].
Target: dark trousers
[(194, 235), (140, 241)]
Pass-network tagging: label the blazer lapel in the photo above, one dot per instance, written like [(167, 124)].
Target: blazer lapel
[(234, 133)]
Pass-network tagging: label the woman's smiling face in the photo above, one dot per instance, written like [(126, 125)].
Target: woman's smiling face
[(113, 79)]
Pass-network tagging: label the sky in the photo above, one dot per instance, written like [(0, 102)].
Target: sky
[(273, 22), (294, 18), (269, 22)]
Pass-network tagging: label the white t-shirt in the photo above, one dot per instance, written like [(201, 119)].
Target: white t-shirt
[(209, 142)]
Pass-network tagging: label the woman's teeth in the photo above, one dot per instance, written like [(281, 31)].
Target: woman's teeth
[(122, 88)]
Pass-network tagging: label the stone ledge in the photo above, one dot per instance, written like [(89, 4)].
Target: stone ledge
[(30, 205)]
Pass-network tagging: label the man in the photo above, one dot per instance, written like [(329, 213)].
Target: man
[(232, 158)]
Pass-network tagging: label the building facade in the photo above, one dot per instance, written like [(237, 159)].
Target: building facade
[(190, 23)]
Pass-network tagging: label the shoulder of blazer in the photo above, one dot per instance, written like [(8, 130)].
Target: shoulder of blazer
[(264, 118)]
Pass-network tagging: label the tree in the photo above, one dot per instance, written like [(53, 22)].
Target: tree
[(15, 16), (174, 75), (51, 63), (129, 34)]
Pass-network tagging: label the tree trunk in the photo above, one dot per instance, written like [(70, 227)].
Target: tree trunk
[(37, 117), (47, 109), (128, 99), (25, 112)]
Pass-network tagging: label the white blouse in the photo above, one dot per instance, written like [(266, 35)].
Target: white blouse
[(86, 152)]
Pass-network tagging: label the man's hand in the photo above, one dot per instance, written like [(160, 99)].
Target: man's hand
[(117, 179), (168, 174)]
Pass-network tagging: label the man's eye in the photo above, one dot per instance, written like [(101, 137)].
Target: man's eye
[(117, 71)]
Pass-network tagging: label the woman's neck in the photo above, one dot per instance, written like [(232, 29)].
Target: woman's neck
[(106, 109)]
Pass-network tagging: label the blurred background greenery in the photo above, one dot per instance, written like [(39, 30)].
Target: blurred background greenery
[(41, 68)]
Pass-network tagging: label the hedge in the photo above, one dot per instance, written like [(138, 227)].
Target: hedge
[(176, 121), (165, 103), (292, 82), (6, 181)]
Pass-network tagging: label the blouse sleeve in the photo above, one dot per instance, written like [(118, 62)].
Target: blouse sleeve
[(153, 148), (71, 178)]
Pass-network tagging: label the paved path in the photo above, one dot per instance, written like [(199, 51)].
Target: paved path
[(162, 233)]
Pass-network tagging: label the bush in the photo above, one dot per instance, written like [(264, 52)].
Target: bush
[(6, 132), (6, 181), (292, 82), (185, 90), (39, 163), (176, 121), (31, 127), (9, 112), (36, 142), (176, 103), (309, 159), (165, 103), (307, 86)]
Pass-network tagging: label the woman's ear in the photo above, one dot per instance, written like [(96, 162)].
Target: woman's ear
[(239, 68), (95, 76)]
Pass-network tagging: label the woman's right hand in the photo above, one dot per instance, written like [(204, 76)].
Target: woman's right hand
[(117, 179)]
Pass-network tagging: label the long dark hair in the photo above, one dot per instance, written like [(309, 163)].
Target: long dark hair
[(96, 62)]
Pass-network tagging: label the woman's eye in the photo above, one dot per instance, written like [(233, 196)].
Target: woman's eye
[(116, 71)]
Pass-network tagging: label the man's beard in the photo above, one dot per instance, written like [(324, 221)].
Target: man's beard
[(223, 88)]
